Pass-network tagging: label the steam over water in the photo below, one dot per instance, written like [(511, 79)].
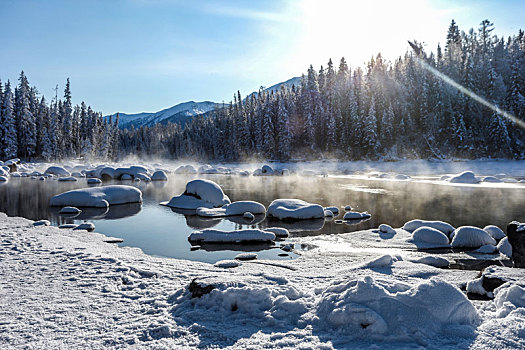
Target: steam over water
[(160, 231)]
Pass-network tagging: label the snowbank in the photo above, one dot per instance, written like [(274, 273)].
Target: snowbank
[(200, 193), (98, 197), (471, 237), (218, 236), (294, 209), (466, 177), (444, 227), (235, 208)]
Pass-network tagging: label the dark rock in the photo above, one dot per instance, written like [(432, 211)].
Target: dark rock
[(517, 241), (13, 168), (491, 283), (197, 289)]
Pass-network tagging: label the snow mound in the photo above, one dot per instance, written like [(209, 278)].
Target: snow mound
[(227, 264), (486, 249), (444, 227), (57, 170), (505, 248), (3, 179), (435, 261), (353, 215), (278, 231), (266, 170), (246, 256), (384, 228), (430, 236), (348, 208), (159, 175), (471, 237), (94, 181), (248, 216), (99, 197), (67, 178), (42, 223), (219, 236), (495, 232), (186, 169), (334, 210), (328, 213), (294, 209), (200, 193), (382, 261), (395, 311), (476, 287), (70, 210), (508, 298), (466, 177), (491, 179), (235, 208), (402, 177), (88, 226)]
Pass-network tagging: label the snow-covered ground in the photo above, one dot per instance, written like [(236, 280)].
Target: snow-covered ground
[(69, 289)]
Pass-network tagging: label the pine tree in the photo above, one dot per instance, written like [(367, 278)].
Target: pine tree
[(8, 124)]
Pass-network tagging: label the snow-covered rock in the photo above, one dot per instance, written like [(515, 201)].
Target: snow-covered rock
[(67, 179), (508, 298), (70, 210), (3, 179), (57, 170), (246, 256), (294, 209), (355, 215), (99, 197), (476, 287), (200, 193), (466, 177), (248, 216), (430, 236), (491, 179), (186, 169), (486, 249), (235, 208), (278, 231), (444, 227), (384, 228), (238, 236), (328, 213), (87, 226), (94, 181), (348, 208), (127, 177), (334, 210), (227, 264), (42, 223), (435, 261), (402, 177), (495, 232), (159, 175), (504, 247), (471, 237)]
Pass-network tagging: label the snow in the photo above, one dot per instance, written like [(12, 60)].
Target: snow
[(495, 232), (3, 179), (70, 210), (504, 247), (94, 181), (278, 231), (238, 236), (491, 179), (186, 169), (466, 177), (431, 237), (348, 208), (99, 197), (67, 178), (334, 210), (508, 298), (87, 226), (57, 170), (435, 261), (294, 209), (384, 228), (476, 287), (200, 193), (159, 175), (353, 215), (246, 256), (328, 213), (248, 216), (235, 208), (471, 237), (444, 227), (227, 264), (486, 249)]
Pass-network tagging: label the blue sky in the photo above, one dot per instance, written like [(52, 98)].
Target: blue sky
[(145, 55)]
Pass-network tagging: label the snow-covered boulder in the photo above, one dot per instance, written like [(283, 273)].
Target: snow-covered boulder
[(200, 193), (334, 210), (238, 236), (227, 264), (70, 210), (126, 177), (3, 178), (508, 298), (402, 177), (491, 179), (94, 181), (4, 172), (348, 208), (142, 177), (384, 228), (328, 214), (278, 231), (355, 215), (235, 208), (444, 227), (495, 232), (87, 226), (431, 237), (57, 170), (504, 247), (159, 175), (186, 169), (99, 197), (393, 311), (471, 237), (67, 179), (294, 209), (107, 173), (42, 223), (435, 261), (486, 249), (246, 256), (466, 177)]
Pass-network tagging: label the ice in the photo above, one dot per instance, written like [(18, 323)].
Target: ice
[(428, 237), (495, 232), (504, 247), (294, 209), (57, 170), (200, 193), (238, 236), (70, 210), (159, 175), (278, 231), (99, 197), (355, 215), (466, 177), (444, 227), (384, 228), (235, 208), (471, 237)]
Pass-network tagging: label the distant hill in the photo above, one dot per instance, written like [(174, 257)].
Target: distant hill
[(183, 112)]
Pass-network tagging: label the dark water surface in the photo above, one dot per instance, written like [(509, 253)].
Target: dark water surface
[(161, 231)]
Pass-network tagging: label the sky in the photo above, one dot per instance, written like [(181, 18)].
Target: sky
[(146, 55)]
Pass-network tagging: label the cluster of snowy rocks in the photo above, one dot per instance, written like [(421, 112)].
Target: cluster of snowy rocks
[(468, 177)]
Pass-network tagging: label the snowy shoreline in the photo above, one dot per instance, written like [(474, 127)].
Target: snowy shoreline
[(70, 289)]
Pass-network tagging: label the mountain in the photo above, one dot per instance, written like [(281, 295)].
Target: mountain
[(183, 112), (180, 113)]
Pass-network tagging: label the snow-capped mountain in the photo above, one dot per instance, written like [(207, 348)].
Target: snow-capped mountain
[(180, 113)]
